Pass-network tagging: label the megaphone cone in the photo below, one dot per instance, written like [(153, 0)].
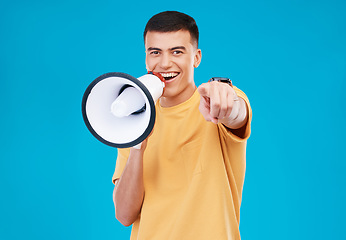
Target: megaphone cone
[(119, 110)]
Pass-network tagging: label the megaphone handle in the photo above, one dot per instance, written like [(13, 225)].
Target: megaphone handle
[(138, 146)]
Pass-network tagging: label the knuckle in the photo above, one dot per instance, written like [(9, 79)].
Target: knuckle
[(213, 84), (203, 85), (216, 105)]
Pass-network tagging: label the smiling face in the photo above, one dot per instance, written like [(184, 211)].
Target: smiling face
[(174, 56)]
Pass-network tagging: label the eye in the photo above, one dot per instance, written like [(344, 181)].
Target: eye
[(154, 53), (177, 52)]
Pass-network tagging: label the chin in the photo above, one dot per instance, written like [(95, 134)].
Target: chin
[(167, 93)]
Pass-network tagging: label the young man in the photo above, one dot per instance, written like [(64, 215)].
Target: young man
[(186, 180)]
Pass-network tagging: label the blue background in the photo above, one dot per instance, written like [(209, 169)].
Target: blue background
[(288, 56)]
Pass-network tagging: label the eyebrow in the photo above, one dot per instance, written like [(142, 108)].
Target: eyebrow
[(179, 47), (171, 49), (154, 49)]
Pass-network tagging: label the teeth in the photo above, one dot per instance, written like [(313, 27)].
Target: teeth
[(169, 74)]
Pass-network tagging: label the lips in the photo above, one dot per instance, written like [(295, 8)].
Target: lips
[(169, 76)]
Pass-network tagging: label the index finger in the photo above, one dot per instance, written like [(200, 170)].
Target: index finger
[(203, 90)]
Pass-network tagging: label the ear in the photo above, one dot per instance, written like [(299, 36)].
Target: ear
[(197, 58)]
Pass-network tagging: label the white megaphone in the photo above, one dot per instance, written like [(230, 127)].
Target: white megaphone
[(119, 110)]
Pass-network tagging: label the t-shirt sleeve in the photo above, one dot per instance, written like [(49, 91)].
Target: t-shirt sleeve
[(123, 155), (242, 134)]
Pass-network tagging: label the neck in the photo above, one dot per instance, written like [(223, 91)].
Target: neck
[(171, 101)]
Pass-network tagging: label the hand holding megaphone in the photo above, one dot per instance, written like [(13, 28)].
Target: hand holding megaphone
[(119, 110)]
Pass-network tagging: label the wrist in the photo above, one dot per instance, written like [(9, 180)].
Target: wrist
[(221, 80), (138, 152)]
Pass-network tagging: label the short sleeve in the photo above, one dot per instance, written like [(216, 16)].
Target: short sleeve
[(242, 134), (123, 155)]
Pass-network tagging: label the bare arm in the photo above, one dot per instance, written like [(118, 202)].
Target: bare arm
[(128, 192)]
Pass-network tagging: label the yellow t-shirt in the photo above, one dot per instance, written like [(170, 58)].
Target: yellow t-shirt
[(193, 176)]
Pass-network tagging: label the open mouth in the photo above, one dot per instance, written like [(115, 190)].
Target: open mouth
[(169, 76)]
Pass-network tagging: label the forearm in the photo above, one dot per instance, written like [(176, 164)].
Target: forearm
[(129, 189)]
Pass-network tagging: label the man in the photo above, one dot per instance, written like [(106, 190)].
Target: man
[(186, 180)]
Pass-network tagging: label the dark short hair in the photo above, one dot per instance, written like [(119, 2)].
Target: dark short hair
[(172, 21)]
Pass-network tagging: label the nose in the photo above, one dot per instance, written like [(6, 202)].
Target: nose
[(166, 61)]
